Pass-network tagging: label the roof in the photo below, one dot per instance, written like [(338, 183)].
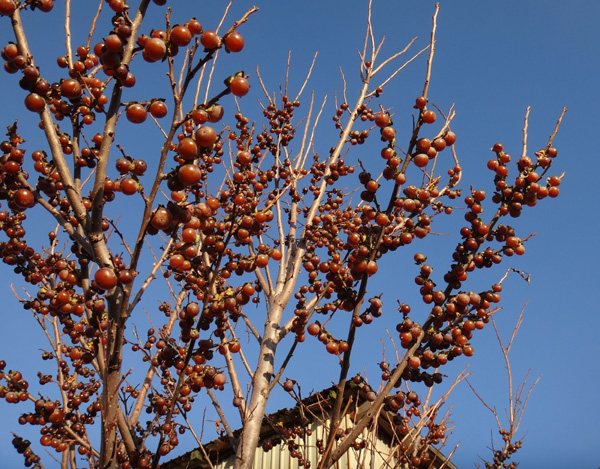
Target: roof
[(310, 409)]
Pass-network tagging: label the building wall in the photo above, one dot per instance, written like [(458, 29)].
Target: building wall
[(377, 454)]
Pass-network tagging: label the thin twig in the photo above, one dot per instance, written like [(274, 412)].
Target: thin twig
[(68, 33), (431, 50), (93, 25), (525, 125), (556, 127)]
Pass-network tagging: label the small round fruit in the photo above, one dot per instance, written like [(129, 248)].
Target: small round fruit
[(71, 88), (261, 261), (234, 42), (313, 329), (382, 119), (139, 167), (56, 417), (113, 43), (210, 40), (450, 138), (382, 219), (414, 362), (423, 145), (126, 277), (420, 102), (199, 116), (388, 134), (187, 148), (332, 347), (421, 160), (189, 235), (46, 5), (194, 26), (244, 157), (181, 36), (105, 278), (117, 6), (155, 49), (129, 186), (439, 144), (239, 87), (24, 199), (429, 117), (34, 102), (123, 165), (206, 136), (220, 379), (158, 109), (215, 113), (7, 7), (371, 268), (189, 174), (136, 113), (162, 219), (288, 385), (213, 203)]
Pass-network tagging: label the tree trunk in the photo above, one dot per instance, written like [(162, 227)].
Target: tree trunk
[(263, 374)]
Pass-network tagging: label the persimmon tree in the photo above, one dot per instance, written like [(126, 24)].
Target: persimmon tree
[(230, 212)]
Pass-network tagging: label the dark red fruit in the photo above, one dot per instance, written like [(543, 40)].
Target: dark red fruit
[(155, 49), (450, 138), (234, 42), (420, 102), (129, 186), (71, 88), (220, 379), (429, 117), (187, 148), (210, 40), (215, 113), (158, 109), (24, 199), (45, 5), (239, 87), (181, 36), (206, 136), (162, 219), (136, 113), (105, 278), (288, 385), (113, 43), (189, 174), (199, 116), (388, 134), (421, 160), (34, 102), (382, 119), (313, 329), (7, 7)]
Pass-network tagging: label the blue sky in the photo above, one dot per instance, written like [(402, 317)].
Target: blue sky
[(493, 59)]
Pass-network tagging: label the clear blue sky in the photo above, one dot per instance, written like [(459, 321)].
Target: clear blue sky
[(493, 59)]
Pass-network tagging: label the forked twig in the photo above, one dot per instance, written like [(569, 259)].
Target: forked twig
[(517, 404)]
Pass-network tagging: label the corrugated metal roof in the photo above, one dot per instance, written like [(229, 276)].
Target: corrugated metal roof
[(381, 442)]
